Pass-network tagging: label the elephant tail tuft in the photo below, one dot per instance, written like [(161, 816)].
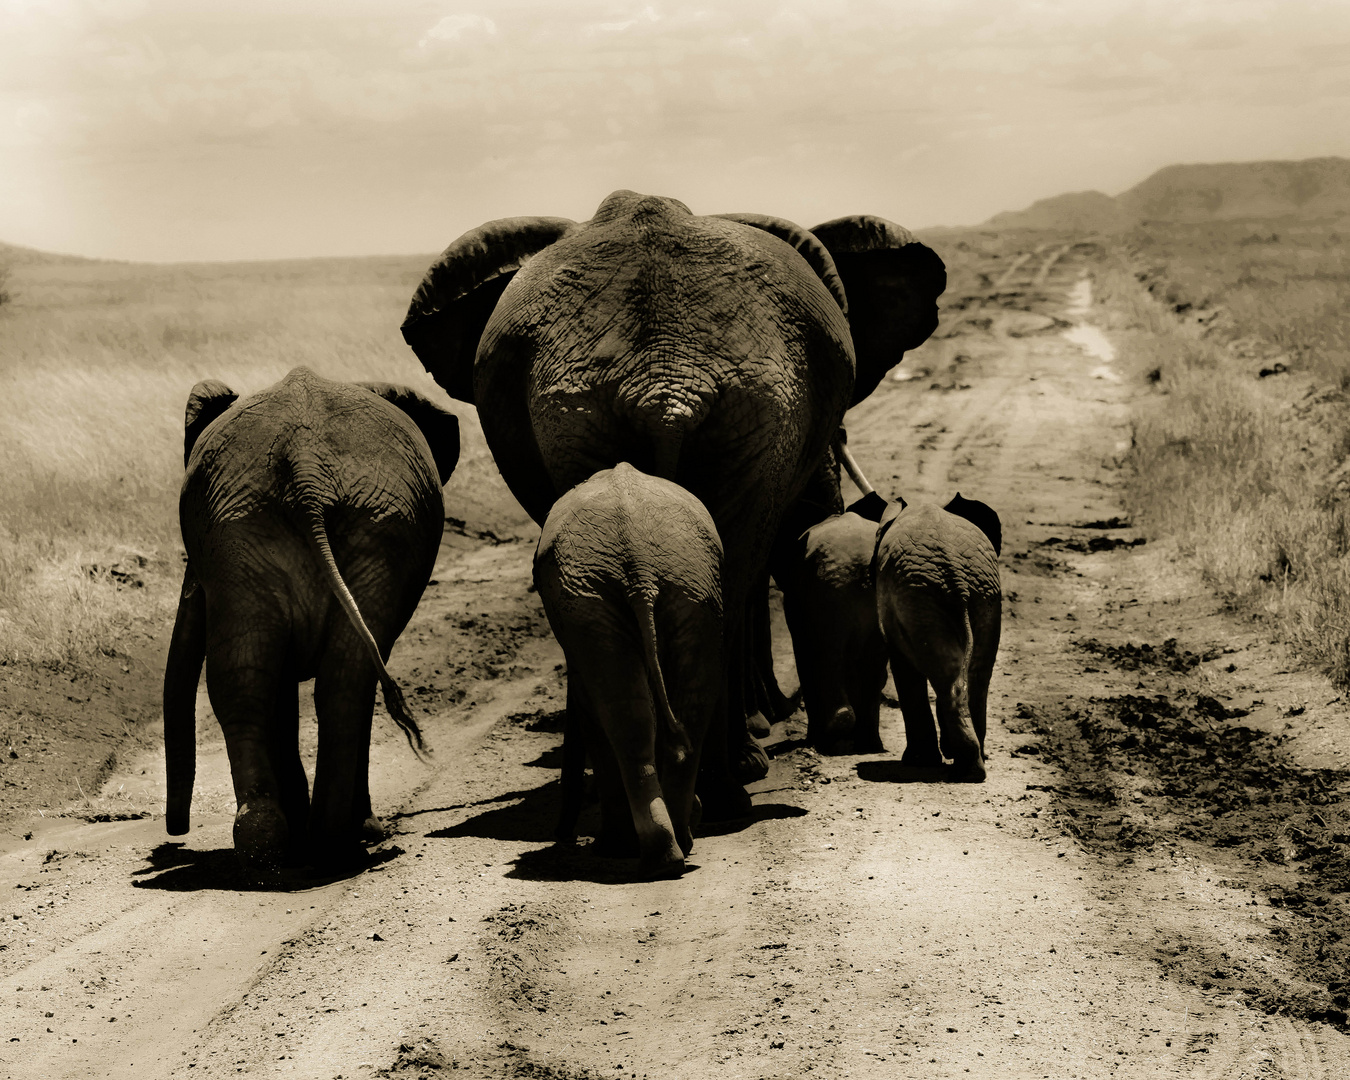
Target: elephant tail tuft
[(646, 619), (393, 696)]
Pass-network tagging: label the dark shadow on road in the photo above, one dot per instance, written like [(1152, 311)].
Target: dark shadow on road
[(896, 772), (508, 796), (577, 862), (761, 812), (530, 817), (179, 868), (551, 758)]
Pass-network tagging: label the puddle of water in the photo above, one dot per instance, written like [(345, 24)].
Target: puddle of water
[(1080, 297), (1089, 338), (1092, 341)]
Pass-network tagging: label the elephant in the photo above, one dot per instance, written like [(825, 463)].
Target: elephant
[(715, 352), (939, 601), (629, 570), (312, 514), (830, 603)]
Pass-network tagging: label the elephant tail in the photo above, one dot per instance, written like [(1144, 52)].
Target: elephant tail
[(187, 651), (393, 696), (646, 620)]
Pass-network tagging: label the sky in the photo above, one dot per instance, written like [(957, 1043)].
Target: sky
[(246, 129)]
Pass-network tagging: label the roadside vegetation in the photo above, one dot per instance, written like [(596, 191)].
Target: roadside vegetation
[(1243, 457), (96, 360)]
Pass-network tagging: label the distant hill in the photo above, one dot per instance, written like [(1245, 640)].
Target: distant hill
[(1315, 188), (14, 255), (1078, 210)]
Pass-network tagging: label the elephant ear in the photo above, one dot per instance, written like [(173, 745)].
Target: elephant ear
[(455, 300), (888, 517), (893, 283), (873, 507), (808, 247), (439, 426), (206, 401), (982, 516)]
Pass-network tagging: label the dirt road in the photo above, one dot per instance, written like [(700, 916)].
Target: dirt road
[(1087, 912)]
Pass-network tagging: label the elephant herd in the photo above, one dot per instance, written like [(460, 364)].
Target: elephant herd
[(663, 394)]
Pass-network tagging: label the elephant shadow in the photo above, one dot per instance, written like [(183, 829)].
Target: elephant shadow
[(897, 772), (179, 868), (580, 862), (527, 816), (530, 816)]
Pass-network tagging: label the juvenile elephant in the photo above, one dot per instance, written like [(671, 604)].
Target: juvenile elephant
[(831, 607), (940, 604), (629, 569), (312, 514), (715, 352)]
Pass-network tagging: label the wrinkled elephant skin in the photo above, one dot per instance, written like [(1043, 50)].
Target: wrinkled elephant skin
[(629, 569), (714, 352), (940, 604), (312, 514), (831, 609)]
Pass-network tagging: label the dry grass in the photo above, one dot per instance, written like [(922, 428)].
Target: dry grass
[(1246, 473), (96, 360)]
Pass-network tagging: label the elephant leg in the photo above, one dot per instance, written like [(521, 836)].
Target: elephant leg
[(344, 700), (959, 741), (911, 688), (986, 631), (746, 757), (867, 677), (615, 674), (284, 749), (182, 674), (731, 757), (618, 837), (573, 779), (830, 719), (631, 726), (768, 704), (243, 696)]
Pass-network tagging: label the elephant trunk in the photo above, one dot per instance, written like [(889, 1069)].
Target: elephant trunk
[(187, 651)]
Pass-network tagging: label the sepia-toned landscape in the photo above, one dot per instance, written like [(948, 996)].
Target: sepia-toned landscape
[(1151, 391)]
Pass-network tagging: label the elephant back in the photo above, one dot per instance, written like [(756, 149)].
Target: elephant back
[(927, 548)]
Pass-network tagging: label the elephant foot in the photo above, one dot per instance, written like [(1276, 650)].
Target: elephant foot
[(752, 762), (662, 869), (758, 725), (373, 831), (725, 801), (261, 838), (968, 772), (922, 759), (834, 734), (869, 745), (565, 832)]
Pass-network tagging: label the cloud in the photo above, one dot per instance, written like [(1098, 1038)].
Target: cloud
[(453, 28), (647, 15)]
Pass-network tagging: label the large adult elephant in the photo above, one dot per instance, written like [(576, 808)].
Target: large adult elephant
[(716, 352), (311, 513)]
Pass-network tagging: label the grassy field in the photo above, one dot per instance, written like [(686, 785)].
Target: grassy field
[(96, 360), (1247, 472)]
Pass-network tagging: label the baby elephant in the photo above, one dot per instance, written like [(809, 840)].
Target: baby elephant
[(312, 514), (629, 569), (831, 609), (940, 605)]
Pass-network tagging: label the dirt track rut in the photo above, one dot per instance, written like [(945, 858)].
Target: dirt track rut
[(857, 926)]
